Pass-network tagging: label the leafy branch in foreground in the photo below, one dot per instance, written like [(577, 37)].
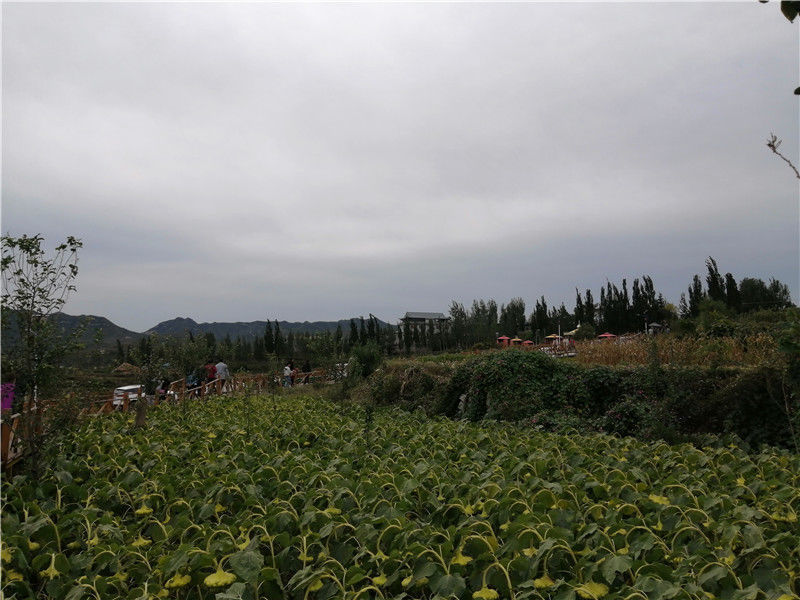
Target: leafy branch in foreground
[(773, 143), (36, 287)]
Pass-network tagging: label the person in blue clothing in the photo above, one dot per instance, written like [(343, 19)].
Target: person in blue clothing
[(192, 383)]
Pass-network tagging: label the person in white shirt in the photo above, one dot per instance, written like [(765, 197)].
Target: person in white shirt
[(222, 373), (287, 376)]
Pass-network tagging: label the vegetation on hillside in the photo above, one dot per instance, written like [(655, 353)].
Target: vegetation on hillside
[(681, 400)]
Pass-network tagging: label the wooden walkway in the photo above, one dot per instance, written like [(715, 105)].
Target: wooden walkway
[(12, 450)]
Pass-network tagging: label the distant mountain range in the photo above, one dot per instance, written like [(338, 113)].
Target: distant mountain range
[(181, 325), (110, 333), (89, 324)]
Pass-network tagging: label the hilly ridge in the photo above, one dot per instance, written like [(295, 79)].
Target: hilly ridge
[(96, 328), (87, 325), (249, 329)]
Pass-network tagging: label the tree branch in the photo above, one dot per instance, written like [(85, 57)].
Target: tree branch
[(773, 143)]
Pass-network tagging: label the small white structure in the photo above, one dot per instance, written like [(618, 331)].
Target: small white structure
[(132, 391)]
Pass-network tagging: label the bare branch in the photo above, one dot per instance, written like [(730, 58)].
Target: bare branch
[(773, 143)]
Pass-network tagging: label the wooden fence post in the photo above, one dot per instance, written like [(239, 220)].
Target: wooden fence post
[(8, 432)]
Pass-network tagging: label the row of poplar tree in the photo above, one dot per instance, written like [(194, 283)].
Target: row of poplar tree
[(618, 309)]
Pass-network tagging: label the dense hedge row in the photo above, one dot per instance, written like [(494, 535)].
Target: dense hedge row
[(672, 403)]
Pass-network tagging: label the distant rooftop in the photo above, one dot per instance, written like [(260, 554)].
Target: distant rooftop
[(427, 316)]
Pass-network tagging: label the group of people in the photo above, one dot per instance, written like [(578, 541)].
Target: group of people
[(208, 373), (162, 390), (220, 372), (290, 373)]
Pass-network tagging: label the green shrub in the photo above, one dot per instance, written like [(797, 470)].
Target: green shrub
[(368, 357), (411, 384), (677, 404), (417, 388), (630, 416), (384, 387), (456, 389), (508, 385), (556, 421), (604, 385), (750, 406)]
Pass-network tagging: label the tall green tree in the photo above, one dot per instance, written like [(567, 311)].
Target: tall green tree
[(416, 338), (653, 304), (638, 304), (36, 285), (683, 307), (589, 309), (512, 317), (565, 319), (602, 310), (337, 340), (408, 337), (458, 324), (732, 298), (755, 294), (423, 335), (715, 283), (279, 343), (269, 338), (362, 331), (624, 307), (779, 294), (492, 318), (187, 354), (143, 351), (225, 348), (579, 310), (258, 349), (290, 343), (696, 296), (211, 343), (431, 335), (540, 321)]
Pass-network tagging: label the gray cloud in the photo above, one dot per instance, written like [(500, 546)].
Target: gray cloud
[(240, 161)]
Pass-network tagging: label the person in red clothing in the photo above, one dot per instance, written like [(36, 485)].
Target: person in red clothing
[(211, 371)]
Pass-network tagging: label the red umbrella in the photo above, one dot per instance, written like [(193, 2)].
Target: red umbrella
[(606, 335), (504, 337)]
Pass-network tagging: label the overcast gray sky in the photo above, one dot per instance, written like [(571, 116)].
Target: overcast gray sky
[(233, 162)]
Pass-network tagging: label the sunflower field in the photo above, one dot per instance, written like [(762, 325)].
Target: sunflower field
[(300, 498)]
